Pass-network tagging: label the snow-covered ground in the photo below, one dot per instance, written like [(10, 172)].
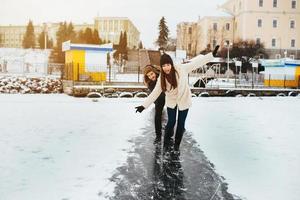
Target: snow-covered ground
[(254, 143), (60, 147)]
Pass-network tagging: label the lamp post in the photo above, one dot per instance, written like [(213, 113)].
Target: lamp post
[(239, 64), (285, 53), (227, 44)]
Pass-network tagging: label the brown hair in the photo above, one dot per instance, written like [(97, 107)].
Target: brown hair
[(170, 77), (150, 68)]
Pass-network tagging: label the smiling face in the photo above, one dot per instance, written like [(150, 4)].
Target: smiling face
[(152, 76), (167, 68)]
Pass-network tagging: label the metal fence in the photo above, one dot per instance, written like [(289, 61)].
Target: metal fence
[(12, 67)]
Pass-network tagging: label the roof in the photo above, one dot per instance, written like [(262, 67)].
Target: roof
[(69, 46)]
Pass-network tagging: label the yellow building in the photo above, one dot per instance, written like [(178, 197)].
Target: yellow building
[(281, 73), (86, 62)]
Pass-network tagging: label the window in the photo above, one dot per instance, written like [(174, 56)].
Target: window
[(292, 24), (293, 43), (257, 40), (259, 23), (274, 23), (227, 26), (273, 42), (261, 3), (294, 4), (215, 26), (274, 3), (278, 56), (190, 30)]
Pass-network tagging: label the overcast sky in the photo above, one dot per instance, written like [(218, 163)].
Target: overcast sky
[(145, 14)]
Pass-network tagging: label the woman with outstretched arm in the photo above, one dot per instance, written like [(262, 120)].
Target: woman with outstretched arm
[(173, 81)]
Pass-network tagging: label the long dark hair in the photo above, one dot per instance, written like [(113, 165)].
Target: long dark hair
[(170, 77)]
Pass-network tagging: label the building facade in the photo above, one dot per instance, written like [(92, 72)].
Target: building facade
[(12, 36), (275, 23), (109, 29), (213, 31), (187, 37)]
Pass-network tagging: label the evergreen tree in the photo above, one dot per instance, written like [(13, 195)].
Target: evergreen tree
[(61, 36), (50, 44), (88, 35), (124, 46), (141, 45), (29, 37), (119, 47), (71, 34), (80, 37), (120, 42), (41, 41), (96, 38), (163, 36)]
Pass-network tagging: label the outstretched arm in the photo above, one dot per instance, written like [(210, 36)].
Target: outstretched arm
[(152, 97), (199, 61)]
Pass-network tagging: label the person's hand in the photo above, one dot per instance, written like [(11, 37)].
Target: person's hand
[(215, 51), (139, 109)]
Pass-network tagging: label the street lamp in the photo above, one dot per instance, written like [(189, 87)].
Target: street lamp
[(285, 53), (227, 44)]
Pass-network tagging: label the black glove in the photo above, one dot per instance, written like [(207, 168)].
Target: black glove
[(139, 109), (215, 51)]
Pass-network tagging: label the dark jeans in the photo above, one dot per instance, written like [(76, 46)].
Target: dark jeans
[(169, 131), (159, 106)]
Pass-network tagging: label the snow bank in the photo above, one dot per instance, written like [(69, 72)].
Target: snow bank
[(25, 85)]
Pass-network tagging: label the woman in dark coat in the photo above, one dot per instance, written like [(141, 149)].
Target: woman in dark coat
[(150, 78)]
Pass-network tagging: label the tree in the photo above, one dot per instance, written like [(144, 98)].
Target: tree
[(245, 51), (96, 38), (65, 32), (124, 50), (41, 41), (88, 35), (119, 47), (80, 37), (71, 34), (163, 36), (141, 45), (29, 37), (171, 44)]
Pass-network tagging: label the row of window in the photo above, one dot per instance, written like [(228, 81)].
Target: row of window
[(275, 3), (274, 42), (258, 41), (275, 23), (215, 26)]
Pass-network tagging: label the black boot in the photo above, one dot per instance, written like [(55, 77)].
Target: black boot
[(157, 138)]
